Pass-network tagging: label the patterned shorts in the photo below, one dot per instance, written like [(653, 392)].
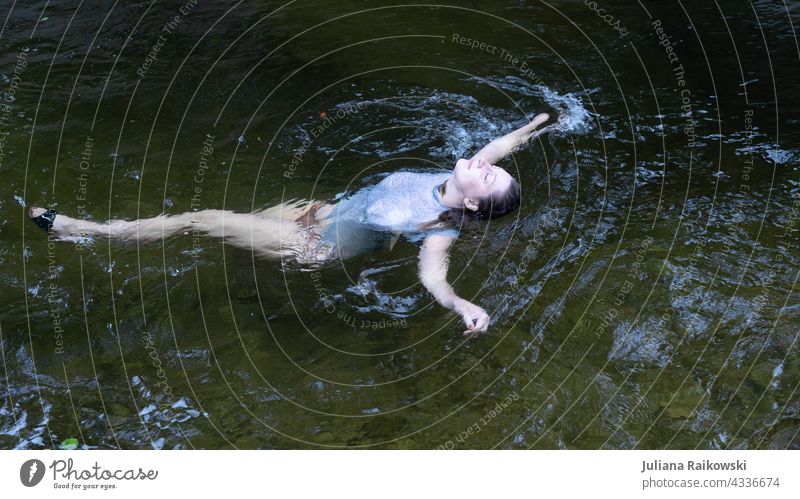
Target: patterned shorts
[(317, 247)]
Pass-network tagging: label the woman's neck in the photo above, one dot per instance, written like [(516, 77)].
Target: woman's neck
[(451, 194)]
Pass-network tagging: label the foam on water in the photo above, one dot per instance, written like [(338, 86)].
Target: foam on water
[(443, 124), (779, 155), (573, 117), (432, 117), (769, 152)]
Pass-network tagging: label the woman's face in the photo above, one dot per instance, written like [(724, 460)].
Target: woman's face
[(479, 179)]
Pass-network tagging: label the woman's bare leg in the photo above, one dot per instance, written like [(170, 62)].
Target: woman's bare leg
[(269, 237), (304, 212), (147, 229)]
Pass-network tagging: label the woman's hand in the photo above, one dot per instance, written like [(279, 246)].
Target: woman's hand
[(475, 317), (536, 122)]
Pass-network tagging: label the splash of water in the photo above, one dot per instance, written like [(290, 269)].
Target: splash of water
[(573, 117)]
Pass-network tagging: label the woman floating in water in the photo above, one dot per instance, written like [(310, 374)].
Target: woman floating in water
[(313, 231)]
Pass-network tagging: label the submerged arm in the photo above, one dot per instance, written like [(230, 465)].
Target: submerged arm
[(501, 147), (433, 263)]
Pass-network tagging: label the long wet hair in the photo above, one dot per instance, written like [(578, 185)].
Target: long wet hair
[(497, 206), (493, 206)]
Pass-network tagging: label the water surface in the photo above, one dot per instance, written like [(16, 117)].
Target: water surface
[(642, 297)]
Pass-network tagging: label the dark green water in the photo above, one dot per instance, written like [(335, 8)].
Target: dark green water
[(642, 297)]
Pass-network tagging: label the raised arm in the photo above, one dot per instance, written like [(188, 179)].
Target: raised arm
[(433, 263), (499, 148)]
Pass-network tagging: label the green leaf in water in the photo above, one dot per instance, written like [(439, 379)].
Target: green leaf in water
[(69, 444)]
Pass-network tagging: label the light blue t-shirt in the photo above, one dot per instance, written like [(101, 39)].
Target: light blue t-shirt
[(400, 203)]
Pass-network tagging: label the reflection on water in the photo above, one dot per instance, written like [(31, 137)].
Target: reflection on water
[(643, 295)]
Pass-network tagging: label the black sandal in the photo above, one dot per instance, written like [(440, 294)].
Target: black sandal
[(45, 220)]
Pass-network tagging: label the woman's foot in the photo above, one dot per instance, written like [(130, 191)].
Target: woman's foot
[(42, 217)]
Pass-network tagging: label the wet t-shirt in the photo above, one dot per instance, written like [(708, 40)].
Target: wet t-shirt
[(400, 203)]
